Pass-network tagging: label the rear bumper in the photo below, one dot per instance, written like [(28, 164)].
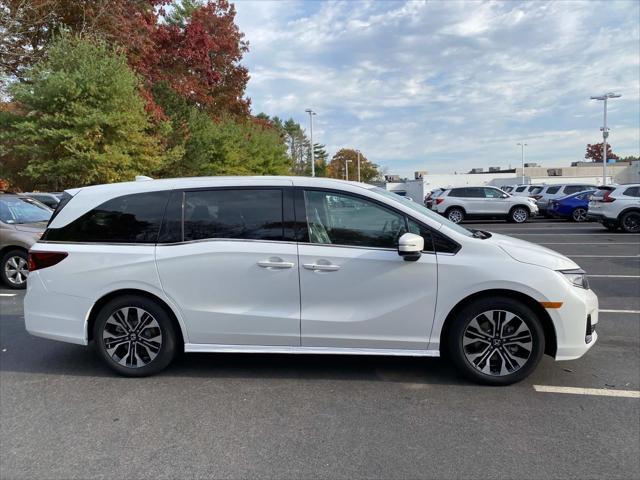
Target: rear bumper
[(54, 315), (599, 217)]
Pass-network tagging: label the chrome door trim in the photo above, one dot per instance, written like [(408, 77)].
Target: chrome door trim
[(218, 348)]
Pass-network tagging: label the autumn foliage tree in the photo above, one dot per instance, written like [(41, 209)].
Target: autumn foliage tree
[(348, 158), (594, 153)]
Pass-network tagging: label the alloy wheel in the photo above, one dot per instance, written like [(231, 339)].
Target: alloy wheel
[(497, 342), (519, 215), (16, 270), (631, 222), (579, 215), (455, 216), (132, 337)]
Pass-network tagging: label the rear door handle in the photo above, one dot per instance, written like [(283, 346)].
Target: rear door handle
[(321, 267), (275, 264)]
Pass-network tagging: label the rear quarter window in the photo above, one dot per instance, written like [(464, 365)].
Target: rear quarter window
[(132, 218), (632, 192)]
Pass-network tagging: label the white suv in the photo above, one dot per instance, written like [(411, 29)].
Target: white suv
[(484, 202), (616, 206), (526, 190), (297, 265)]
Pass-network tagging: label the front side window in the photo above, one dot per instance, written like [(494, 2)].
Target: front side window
[(553, 190), (252, 214), (18, 210), (492, 193), (339, 219), (132, 218)]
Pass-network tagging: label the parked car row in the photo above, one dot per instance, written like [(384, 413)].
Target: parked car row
[(615, 206)]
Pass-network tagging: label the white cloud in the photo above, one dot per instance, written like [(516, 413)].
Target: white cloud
[(448, 85)]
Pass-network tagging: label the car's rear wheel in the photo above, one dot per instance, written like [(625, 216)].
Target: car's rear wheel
[(455, 214), (579, 214), (14, 270), (134, 336), (496, 341), (519, 215), (630, 222)]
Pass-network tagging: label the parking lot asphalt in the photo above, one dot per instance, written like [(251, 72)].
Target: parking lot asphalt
[(64, 415)]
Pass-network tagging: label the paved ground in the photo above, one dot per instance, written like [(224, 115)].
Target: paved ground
[(63, 415)]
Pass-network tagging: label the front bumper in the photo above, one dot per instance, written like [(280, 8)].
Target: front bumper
[(576, 324)]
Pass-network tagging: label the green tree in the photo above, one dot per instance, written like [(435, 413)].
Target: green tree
[(348, 158), (201, 145), (82, 120), (321, 159)]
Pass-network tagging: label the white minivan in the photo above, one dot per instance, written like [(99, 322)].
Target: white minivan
[(297, 265)]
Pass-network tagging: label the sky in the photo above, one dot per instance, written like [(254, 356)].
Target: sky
[(445, 86)]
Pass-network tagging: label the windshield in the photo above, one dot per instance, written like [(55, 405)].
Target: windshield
[(18, 210), (423, 210)]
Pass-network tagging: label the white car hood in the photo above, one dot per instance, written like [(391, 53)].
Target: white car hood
[(527, 252)]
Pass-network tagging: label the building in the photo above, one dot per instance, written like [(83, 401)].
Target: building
[(423, 183)]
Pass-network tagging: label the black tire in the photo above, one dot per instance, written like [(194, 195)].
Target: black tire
[(630, 222), (523, 315), (19, 280), (163, 356), (612, 227), (519, 214), (579, 215), (455, 214)]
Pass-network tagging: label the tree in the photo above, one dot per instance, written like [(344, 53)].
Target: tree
[(201, 145), (594, 153), (349, 157), (321, 157), (81, 119)]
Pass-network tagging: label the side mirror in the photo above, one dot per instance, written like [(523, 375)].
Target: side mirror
[(410, 246)]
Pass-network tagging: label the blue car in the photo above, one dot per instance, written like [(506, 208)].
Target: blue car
[(572, 207)]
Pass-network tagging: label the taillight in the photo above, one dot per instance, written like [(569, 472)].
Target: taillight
[(439, 201), (606, 198), (38, 260)]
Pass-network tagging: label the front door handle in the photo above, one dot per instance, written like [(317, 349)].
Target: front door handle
[(275, 264), (317, 267)]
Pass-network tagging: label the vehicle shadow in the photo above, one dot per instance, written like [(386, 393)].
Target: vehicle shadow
[(32, 355)]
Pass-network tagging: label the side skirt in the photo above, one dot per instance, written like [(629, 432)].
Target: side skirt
[(213, 348)]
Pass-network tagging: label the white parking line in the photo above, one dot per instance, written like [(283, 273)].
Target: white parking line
[(618, 311), (604, 392), (8, 294), (602, 256), (614, 276), (637, 244)]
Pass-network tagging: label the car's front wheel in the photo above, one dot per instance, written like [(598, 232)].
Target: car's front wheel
[(579, 214), (134, 336), (519, 215), (14, 270), (496, 341), (630, 222)]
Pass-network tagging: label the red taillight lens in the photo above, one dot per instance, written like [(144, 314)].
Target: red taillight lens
[(606, 198), (439, 201), (38, 260)]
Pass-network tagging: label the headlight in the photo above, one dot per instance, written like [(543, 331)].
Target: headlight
[(576, 277)]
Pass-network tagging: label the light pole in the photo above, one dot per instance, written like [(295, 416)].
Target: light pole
[(522, 145), (346, 169), (605, 132), (313, 160), (358, 164)]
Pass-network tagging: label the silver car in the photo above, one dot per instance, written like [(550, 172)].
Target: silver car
[(22, 222), (616, 206)]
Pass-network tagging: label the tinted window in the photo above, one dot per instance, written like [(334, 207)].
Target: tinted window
[(632, 192), (535, 190), (493, 193), (457, 192), (521, 189), (569, 189), (433, 241), (254, 214), (339, 219), (474, 192), (553, 190), (171, 230), (128, 219)]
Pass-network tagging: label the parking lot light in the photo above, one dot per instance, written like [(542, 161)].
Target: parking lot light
[(605, 131), (522, 145)]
